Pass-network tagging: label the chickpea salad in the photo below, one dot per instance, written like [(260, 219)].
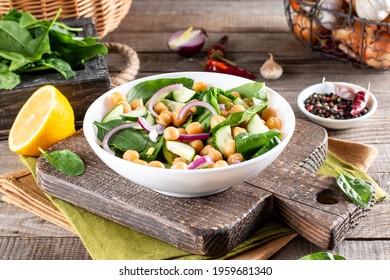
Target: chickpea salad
[(179, 124)]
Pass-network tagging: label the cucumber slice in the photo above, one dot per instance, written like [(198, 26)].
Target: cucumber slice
[(114, 113), (239, 101), (150, 119), (172, 105), (256, 125), (181, 149), (221, 139), (183, 95), (168, 155), (135, 114), (225, 100)]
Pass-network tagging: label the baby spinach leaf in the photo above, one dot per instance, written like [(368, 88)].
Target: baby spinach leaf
[(14, 38), (65, 161), (357, 190), (323, 256), (247, 144), (146, 89), (126, 139), (9, 80), (54, 63), (253, 89), (151, 149), (240, 117), (272, 143)]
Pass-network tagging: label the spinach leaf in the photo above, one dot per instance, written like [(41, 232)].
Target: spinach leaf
[(14, 38), (146, 89), (151, 149), (247, 144), (253, 89), (323, 256), (53, 63), (9, 80), (272, 143), (240, 117), (126, 139), (357, 190), (65, 161)]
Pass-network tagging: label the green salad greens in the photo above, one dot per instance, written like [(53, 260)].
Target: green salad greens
[(30, 45)]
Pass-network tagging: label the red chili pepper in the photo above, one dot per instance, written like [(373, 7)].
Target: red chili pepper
[(221, 67), (360, 101), (218, 51)]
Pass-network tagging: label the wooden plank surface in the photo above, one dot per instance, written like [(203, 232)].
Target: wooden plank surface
[(251, 39)]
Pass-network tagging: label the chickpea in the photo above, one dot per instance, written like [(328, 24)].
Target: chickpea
[(159, 107), (156, 163), (182, 130), (237, 108), (171, 133), (224, 114), (199, 86), (230, 148), (140, 161), (238, 130), (274, 123), (165, 118), (220, 163), (268, 112), (235, 158), (215, 154), (175, 119), (136, 103), (116, 97), (236, 93), (197, 145), (179, 159), (179, 165), (131, 155), (215, 120), (194, 128), (248, 101), (126, 106), (206, 150)]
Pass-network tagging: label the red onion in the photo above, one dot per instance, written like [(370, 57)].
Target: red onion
[(158, 127), (114, 130), (191, 137), (196, 103), (200, 162), (162, 91), (222, 107), (187, 42)]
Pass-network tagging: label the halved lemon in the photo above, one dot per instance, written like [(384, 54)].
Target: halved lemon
[(45, 119)]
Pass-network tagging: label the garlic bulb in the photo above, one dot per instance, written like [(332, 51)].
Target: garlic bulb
[(270, 69), (376, 10), (328, 13)]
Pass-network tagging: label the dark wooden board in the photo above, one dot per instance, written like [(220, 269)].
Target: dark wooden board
[(215, 224), (88, 84)]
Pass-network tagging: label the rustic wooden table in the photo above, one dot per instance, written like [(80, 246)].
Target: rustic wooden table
[(255, 28)]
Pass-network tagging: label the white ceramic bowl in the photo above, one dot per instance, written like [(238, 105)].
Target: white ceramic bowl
[(188, 183), (372, 105)]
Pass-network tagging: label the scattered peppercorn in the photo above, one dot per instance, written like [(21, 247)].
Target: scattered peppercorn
[(331, 106)]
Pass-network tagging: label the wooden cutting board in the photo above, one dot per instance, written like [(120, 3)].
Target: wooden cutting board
[(309, 203)]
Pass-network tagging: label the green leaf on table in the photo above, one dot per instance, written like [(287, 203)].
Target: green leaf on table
[(9, 80), (240, 117), (65, 161), (357, 190), (323, 256), (146, 89)]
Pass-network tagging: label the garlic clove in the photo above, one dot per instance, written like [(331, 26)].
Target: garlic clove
[(270, 69)]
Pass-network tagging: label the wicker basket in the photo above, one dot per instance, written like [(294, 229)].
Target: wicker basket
[(343, 35), (107, 14)]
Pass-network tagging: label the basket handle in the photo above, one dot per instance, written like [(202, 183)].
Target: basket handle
[(132, 63)]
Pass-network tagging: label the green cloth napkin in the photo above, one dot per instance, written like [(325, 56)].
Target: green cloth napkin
[(107, 240)]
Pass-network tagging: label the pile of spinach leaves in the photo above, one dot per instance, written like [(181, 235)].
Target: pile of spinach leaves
[(28, 44)]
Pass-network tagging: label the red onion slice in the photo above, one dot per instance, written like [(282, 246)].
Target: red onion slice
[(200, 162), (162, 91), (195, 103), (222, 107), (112, 131), (158, 127), (192, 137)]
